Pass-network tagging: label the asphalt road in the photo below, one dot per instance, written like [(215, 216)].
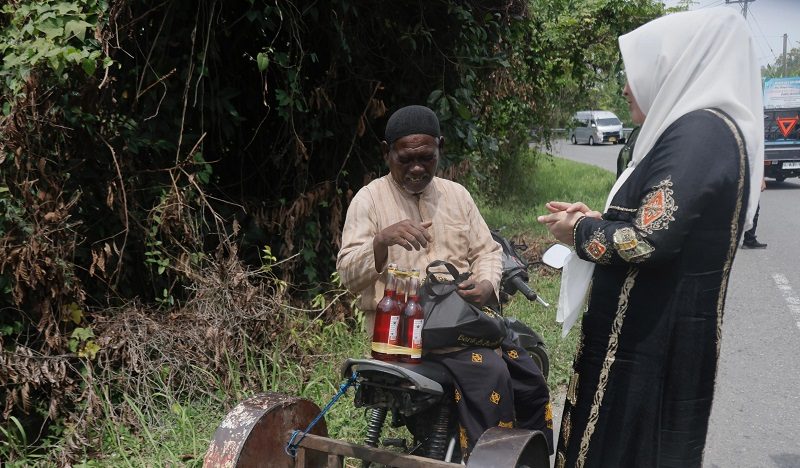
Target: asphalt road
[(755, 421)]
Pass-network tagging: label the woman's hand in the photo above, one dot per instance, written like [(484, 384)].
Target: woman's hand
[(563, 217), (578, 207), (561, 225)]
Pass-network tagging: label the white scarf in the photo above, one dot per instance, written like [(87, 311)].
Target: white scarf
[(677, 64)]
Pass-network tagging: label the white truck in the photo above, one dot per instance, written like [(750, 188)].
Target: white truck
[(782, 128)]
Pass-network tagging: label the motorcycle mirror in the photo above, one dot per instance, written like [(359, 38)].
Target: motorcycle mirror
[(555, 256)]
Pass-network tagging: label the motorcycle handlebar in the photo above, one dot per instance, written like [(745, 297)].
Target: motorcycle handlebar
[(526, 290), (523, 287)]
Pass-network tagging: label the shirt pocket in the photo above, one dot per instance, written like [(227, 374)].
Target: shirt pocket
[(454, 242)]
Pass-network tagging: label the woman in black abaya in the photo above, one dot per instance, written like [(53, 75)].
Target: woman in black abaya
[(660, 254)]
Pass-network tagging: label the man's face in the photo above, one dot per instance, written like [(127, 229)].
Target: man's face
[(412, 160)]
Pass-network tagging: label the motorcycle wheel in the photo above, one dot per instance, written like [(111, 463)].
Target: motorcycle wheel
[(540, 357)]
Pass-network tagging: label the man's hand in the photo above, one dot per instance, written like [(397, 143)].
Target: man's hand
[(475, 292), (411, 235), (407, 234)]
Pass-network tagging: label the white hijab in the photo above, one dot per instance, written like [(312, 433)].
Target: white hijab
[(677, 64)]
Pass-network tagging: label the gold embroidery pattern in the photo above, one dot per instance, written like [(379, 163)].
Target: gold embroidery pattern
[(734, 226), (621, 208), (611, 352), (548, 415), (566, 427), (597, 248), (462, 437), (488, 311), (560, 460), (509, 425), (575, 230), (629, 247), (458, 396), (572, 389), (494, 398), (477, 357), (513, 354), (579, 348), (657, 209)]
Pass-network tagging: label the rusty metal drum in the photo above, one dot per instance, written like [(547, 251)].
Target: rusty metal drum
[(254, 433)]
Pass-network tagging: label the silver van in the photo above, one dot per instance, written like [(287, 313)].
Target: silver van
[(596, 127)]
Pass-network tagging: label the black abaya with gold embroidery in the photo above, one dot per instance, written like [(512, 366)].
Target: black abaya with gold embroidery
[(643, 380)]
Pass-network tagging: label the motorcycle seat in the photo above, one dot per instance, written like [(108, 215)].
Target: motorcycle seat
[(428, 377)]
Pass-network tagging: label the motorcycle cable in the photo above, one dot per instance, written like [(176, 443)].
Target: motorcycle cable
[(292, 445)]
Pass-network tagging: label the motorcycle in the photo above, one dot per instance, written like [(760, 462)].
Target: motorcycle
[(420, 396)]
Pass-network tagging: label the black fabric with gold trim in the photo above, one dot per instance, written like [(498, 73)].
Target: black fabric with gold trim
[(501, 387), (645, 372)]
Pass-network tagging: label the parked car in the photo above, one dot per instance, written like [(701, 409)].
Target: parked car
[(596, 126)]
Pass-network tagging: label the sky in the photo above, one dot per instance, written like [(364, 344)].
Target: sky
[(769, 20)]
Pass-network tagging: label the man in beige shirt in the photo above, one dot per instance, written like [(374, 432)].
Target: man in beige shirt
[(410, 217)]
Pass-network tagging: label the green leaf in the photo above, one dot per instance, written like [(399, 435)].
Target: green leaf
[(51, 29), (76, 28), (89, 66), (82, 334), (263, 61), (66, 7), (89, 350), (434, 96)]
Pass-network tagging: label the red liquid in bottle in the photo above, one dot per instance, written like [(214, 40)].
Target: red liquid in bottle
[(402, 281), (387, 318), (413, 319)]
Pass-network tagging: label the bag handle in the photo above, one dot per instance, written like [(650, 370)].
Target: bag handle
[(457, 277)]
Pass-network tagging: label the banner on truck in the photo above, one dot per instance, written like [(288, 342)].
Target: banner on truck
[(781, 93)]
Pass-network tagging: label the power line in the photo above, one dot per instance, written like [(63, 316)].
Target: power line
[(764, 37), (744, 4), (718, 3)]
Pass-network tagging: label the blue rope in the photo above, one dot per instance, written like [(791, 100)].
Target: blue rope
[(291, 446)]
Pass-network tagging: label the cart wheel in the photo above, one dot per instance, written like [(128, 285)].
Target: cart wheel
[(254, 433), (502, 448)]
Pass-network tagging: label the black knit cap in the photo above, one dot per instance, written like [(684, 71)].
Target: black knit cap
[(411, 120)]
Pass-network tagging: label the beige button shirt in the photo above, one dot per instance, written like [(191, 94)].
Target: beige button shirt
[(460, 236)]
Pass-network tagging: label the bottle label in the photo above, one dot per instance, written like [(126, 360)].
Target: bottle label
[(416, 338), (393, 328)]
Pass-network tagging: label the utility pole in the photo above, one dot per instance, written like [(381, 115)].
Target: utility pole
[(744, 4), (785, 58)]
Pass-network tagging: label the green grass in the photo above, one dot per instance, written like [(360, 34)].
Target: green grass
[(168, 430), (536, 179), (531, 182)]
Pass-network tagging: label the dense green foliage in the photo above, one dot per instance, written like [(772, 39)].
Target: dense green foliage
[(790, 66), (147, 146)]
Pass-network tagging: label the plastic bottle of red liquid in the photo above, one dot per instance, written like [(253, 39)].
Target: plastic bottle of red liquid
[(413, 318), (387, 318)]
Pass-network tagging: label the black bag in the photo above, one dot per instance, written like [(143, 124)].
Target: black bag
[(452, 321)]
